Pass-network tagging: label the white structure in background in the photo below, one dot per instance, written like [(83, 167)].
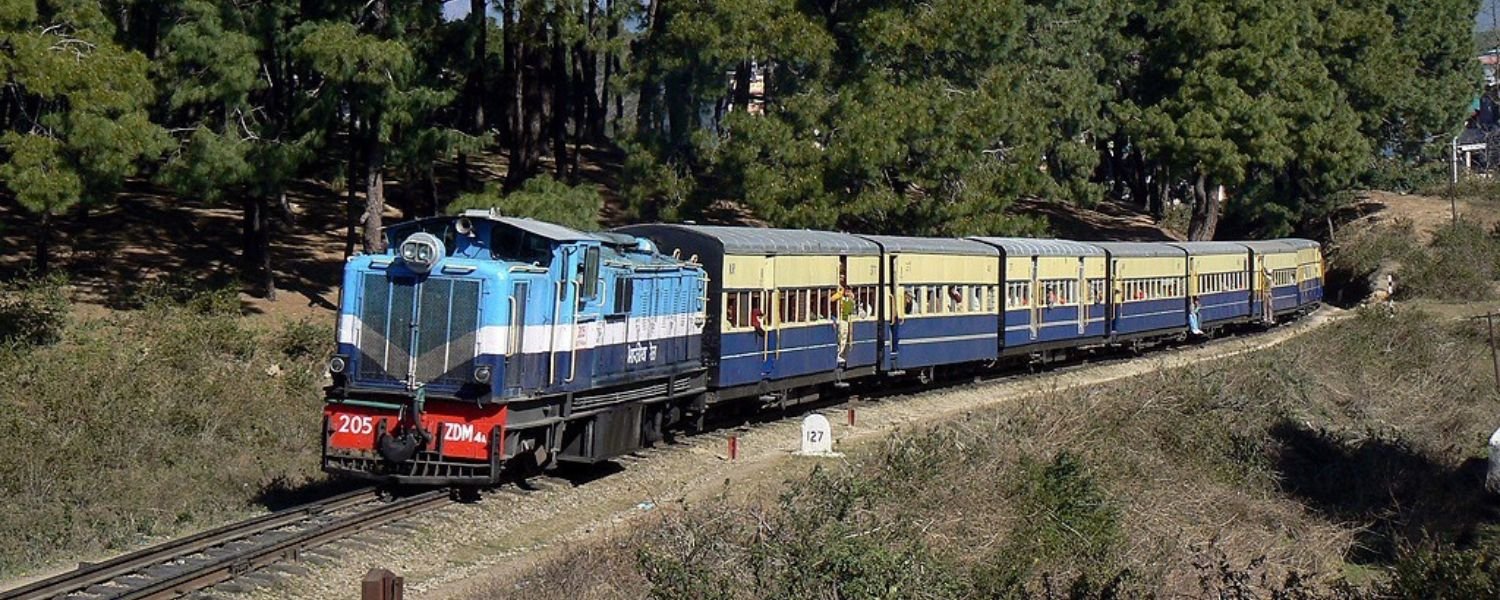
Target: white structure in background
[(1492, 478), (817, 437)]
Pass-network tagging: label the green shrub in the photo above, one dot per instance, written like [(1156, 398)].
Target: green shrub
[(1362, 254), (304, 339), (33, 311), (1399, 175), (1442, 572), (542, 198), (1071, 521), (1461, 263)]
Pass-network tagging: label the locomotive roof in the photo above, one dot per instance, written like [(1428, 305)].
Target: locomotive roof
[(1141, 249), (758, 240), (547, 230), (1041, 247), (925, 245), (1200, 248), (1301, 243)]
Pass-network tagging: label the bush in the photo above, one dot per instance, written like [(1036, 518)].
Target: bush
[(542, 198), (1400, 175), (1461, 263), (33, 311), (1434, 571)]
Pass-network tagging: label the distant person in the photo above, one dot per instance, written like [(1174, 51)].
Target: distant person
[(757, 318), (1193, 322), (843, 300)]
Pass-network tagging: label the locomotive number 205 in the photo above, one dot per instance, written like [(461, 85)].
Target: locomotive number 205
[(356, 424)]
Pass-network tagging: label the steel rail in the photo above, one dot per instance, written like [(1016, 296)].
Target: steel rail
[(89, 575)]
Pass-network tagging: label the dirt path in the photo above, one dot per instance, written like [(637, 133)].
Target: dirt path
[(468, 549)]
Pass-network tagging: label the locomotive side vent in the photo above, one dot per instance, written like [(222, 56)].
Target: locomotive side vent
[(417, 332)]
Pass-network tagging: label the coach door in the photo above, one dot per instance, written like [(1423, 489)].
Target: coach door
[(515, 346), (1038, 298), (1081, 297), (1116, 295), (771, 316)]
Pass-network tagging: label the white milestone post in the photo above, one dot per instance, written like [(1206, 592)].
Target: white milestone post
[(817, 436), (1492, 478)]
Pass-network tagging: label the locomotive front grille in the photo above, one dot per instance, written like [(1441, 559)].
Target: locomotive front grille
[(417, 332)]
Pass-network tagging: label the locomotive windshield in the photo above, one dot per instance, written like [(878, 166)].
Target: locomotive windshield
[(440, 228), (515, 244)]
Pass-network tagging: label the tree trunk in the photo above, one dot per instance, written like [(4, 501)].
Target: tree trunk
[(611, 31), (1207, 200), (510, 71), (478, 21), (742, 86), (351, 214), (646, 112), (619, 97), (44, 243), (256, 253), (560, 85), (267, 274), (374, 243), (433, 203), (525, 141), (682, 114)]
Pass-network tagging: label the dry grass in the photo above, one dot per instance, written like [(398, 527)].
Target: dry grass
[(150, 423), (1316, 465)]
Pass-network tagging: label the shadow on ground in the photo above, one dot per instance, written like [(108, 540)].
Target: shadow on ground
[(1399, 496)]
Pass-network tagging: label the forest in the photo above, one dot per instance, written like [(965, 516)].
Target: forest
[(876, 116)]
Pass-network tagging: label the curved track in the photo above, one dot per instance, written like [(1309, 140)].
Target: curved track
[(192, 563)]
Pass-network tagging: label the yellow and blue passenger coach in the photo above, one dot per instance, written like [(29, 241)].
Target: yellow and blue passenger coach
[(942, 298), (1219, 277), (1309, 271), (1274, 263), (1052, 294), (1148, 288), (795, 308)]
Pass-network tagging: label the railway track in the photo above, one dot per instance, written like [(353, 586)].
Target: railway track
[(185, 565)]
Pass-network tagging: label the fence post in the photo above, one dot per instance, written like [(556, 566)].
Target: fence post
[(1494, 356), (381, 584)]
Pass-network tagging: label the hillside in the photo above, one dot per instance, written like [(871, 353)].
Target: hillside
[(150, 238), (1326, 467)]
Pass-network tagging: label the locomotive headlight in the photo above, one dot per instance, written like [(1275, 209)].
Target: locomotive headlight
[(421, 251), (337, 364), (482, 374)]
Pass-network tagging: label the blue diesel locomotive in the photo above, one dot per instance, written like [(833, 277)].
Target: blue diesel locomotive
[(481, 346)]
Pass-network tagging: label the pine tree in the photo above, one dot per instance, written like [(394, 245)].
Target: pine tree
[(73, 114)]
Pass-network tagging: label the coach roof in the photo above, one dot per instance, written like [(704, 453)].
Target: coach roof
[(1141, 249), (925, 245), (1268, 246), (759, 240), (1201, 248), (1035, 247)]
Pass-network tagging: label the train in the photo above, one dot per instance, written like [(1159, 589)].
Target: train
[(480, 347)]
